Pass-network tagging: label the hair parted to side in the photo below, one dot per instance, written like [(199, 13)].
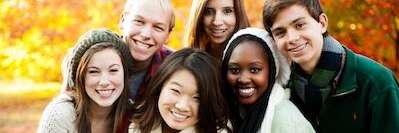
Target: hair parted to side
[(166, 5), (195, 36), (273, 7), (212, 113), (82, 100)]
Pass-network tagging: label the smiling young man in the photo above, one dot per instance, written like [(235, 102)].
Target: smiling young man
[(146, 25), (336, 89)]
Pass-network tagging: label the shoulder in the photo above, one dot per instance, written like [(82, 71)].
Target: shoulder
[(373, 74), (188, 130), (133, 128), (288, 118), (58, 116)]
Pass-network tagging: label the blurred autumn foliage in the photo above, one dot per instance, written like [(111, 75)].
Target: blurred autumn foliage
[(36, 34)]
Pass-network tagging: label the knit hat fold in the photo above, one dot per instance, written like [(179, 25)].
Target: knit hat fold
[(85, 42)]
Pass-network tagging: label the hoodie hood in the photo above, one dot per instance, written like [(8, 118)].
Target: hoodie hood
[(280, 61)]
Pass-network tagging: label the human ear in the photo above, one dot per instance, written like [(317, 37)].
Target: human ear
[(323, 20), (121, 21)]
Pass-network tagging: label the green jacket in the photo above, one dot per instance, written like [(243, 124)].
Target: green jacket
[(366, 99)]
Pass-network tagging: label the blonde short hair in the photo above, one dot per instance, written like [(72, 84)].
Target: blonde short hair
[(166, 5)]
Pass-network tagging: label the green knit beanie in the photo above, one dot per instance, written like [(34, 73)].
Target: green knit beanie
[(88, 40)]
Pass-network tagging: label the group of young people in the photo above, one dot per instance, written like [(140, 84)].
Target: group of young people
[(289, 77)]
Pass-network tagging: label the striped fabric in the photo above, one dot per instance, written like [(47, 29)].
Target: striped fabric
[(313, 90)]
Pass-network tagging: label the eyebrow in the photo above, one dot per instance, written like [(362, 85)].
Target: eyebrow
[(113, 65), (176, 83), (292, 22), (158, 23)]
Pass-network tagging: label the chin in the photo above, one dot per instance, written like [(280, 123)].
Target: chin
[(246, 101), (140, 57)]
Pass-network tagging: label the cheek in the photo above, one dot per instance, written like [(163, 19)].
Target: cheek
[(165, 98), (263, 80), (119, 80), (91, 81), (231, 20), (206, 21), (195, 110), (280, 44), (231, 79), (161, 37)]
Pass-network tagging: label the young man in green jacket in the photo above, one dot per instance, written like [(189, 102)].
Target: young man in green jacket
[(338, 90)]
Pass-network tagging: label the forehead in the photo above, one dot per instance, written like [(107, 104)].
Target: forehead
[(289, 14), (149, 9), (185, 79), (248, 51), (220, 3), (111, 56)]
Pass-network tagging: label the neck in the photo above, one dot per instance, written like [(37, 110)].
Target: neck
[(167, 129), (99, 113), (310, 66), (141, 65)]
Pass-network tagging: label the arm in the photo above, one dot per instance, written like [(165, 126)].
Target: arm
[(57, 117), (385, 110)]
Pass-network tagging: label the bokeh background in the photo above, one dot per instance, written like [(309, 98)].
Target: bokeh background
[(35, 35)]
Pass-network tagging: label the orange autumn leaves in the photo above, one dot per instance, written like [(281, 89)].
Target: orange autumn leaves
[(36, 34)]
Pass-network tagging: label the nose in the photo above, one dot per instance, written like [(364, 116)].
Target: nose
[(145, 32), (244, 78), (104, 80), (293, 36), (217, 19), (183, 104)]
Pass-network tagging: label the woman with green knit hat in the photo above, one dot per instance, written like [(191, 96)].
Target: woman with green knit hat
[(98, 80)]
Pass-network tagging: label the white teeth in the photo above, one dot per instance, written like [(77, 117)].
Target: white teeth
[(299, 48), (246, 92), (179, 116), (218, 31), (142, 45), (105, 93)]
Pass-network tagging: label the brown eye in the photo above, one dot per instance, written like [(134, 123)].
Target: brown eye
[(234, 70), (300, 25), (228, 10), (209, 12), (255, 70)]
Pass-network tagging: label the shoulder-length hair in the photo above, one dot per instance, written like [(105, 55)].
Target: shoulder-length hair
[(212, 113), (82, 100), (195, 36)]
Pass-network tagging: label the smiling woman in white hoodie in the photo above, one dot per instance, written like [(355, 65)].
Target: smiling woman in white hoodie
[(255, 72)]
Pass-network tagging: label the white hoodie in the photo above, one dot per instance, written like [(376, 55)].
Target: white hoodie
[(281, 116)]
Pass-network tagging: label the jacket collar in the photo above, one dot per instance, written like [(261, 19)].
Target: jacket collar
[(347, 82)]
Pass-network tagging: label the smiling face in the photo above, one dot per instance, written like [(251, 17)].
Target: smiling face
[(248, 72), (146, 27), (219, 20), (178, 102), (299, 36), (104, 77)]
